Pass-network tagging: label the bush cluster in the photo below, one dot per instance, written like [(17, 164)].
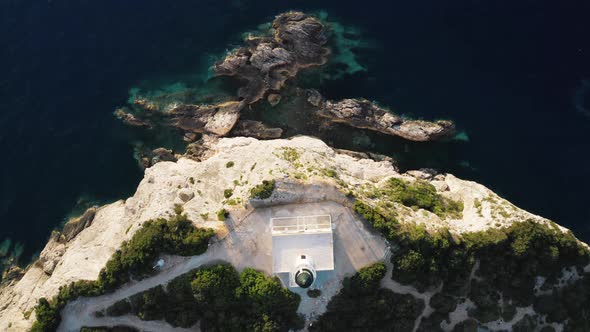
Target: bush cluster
[(510, 260), (362, 306), (221, 299), (263, 190), (135, 258), (176, 236), (423, 195)]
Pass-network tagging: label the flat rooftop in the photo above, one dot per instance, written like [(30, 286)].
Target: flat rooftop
[(303, 235)]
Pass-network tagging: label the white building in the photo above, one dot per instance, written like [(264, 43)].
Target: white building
[(301, 246)]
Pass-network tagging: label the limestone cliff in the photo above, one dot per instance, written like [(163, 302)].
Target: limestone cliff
[(83, 248)]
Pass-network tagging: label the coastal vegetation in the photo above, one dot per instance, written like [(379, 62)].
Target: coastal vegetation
[(220, 298), (362, 305), (227, 193), (509, 261), (222, 214), (135, 258), (420, 195), (263, 190)]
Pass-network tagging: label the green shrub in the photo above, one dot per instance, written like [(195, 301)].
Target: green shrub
[(290, 154), (368, 278), (135, 258), (178, 209), (215, 286), (48, 318), (227, 193), (120, 308), (150, 304), (313, 293), (423, 195), (263, 190), (175, 236), (512, 256), (229, 164), (222, 300), (362, 306), (222, 215), (330, 173)]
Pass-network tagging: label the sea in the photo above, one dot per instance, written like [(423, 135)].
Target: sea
[(513, 75)]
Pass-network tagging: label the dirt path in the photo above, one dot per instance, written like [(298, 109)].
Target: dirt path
[(80, 313)]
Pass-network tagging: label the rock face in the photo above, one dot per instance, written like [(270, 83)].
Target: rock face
[(297, 41), (216, 119), (256, 129), (293, 163), (211, 119), (361, 113), (75, 226)]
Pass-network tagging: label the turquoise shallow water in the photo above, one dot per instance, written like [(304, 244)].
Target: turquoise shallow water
[(510, 74)]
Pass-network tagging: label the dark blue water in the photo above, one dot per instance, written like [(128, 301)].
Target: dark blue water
[(506, 71)]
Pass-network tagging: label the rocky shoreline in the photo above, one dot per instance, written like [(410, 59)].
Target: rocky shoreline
[(264, 68)]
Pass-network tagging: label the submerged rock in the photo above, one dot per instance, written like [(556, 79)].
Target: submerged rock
[(256, 129), (124, 115), (274, 99), (361, 113), (314, 97)]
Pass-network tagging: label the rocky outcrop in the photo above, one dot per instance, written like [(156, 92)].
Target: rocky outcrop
[(361, 113), (274, 99), (201, 149), (124, 115), (148, 158), (211, 119), (368, 155), (75, 226), (216, 119), (296, 41), (13, 273), (256, 129)]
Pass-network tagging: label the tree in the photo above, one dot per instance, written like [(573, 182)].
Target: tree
[(215, 285)]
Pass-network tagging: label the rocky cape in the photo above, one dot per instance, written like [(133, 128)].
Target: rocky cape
[(85, 244)]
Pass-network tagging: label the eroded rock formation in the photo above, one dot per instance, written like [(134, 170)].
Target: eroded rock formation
[(297, 41), (361, 113), (256, 129)]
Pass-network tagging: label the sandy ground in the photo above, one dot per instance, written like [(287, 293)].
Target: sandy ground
[(247, 244)]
